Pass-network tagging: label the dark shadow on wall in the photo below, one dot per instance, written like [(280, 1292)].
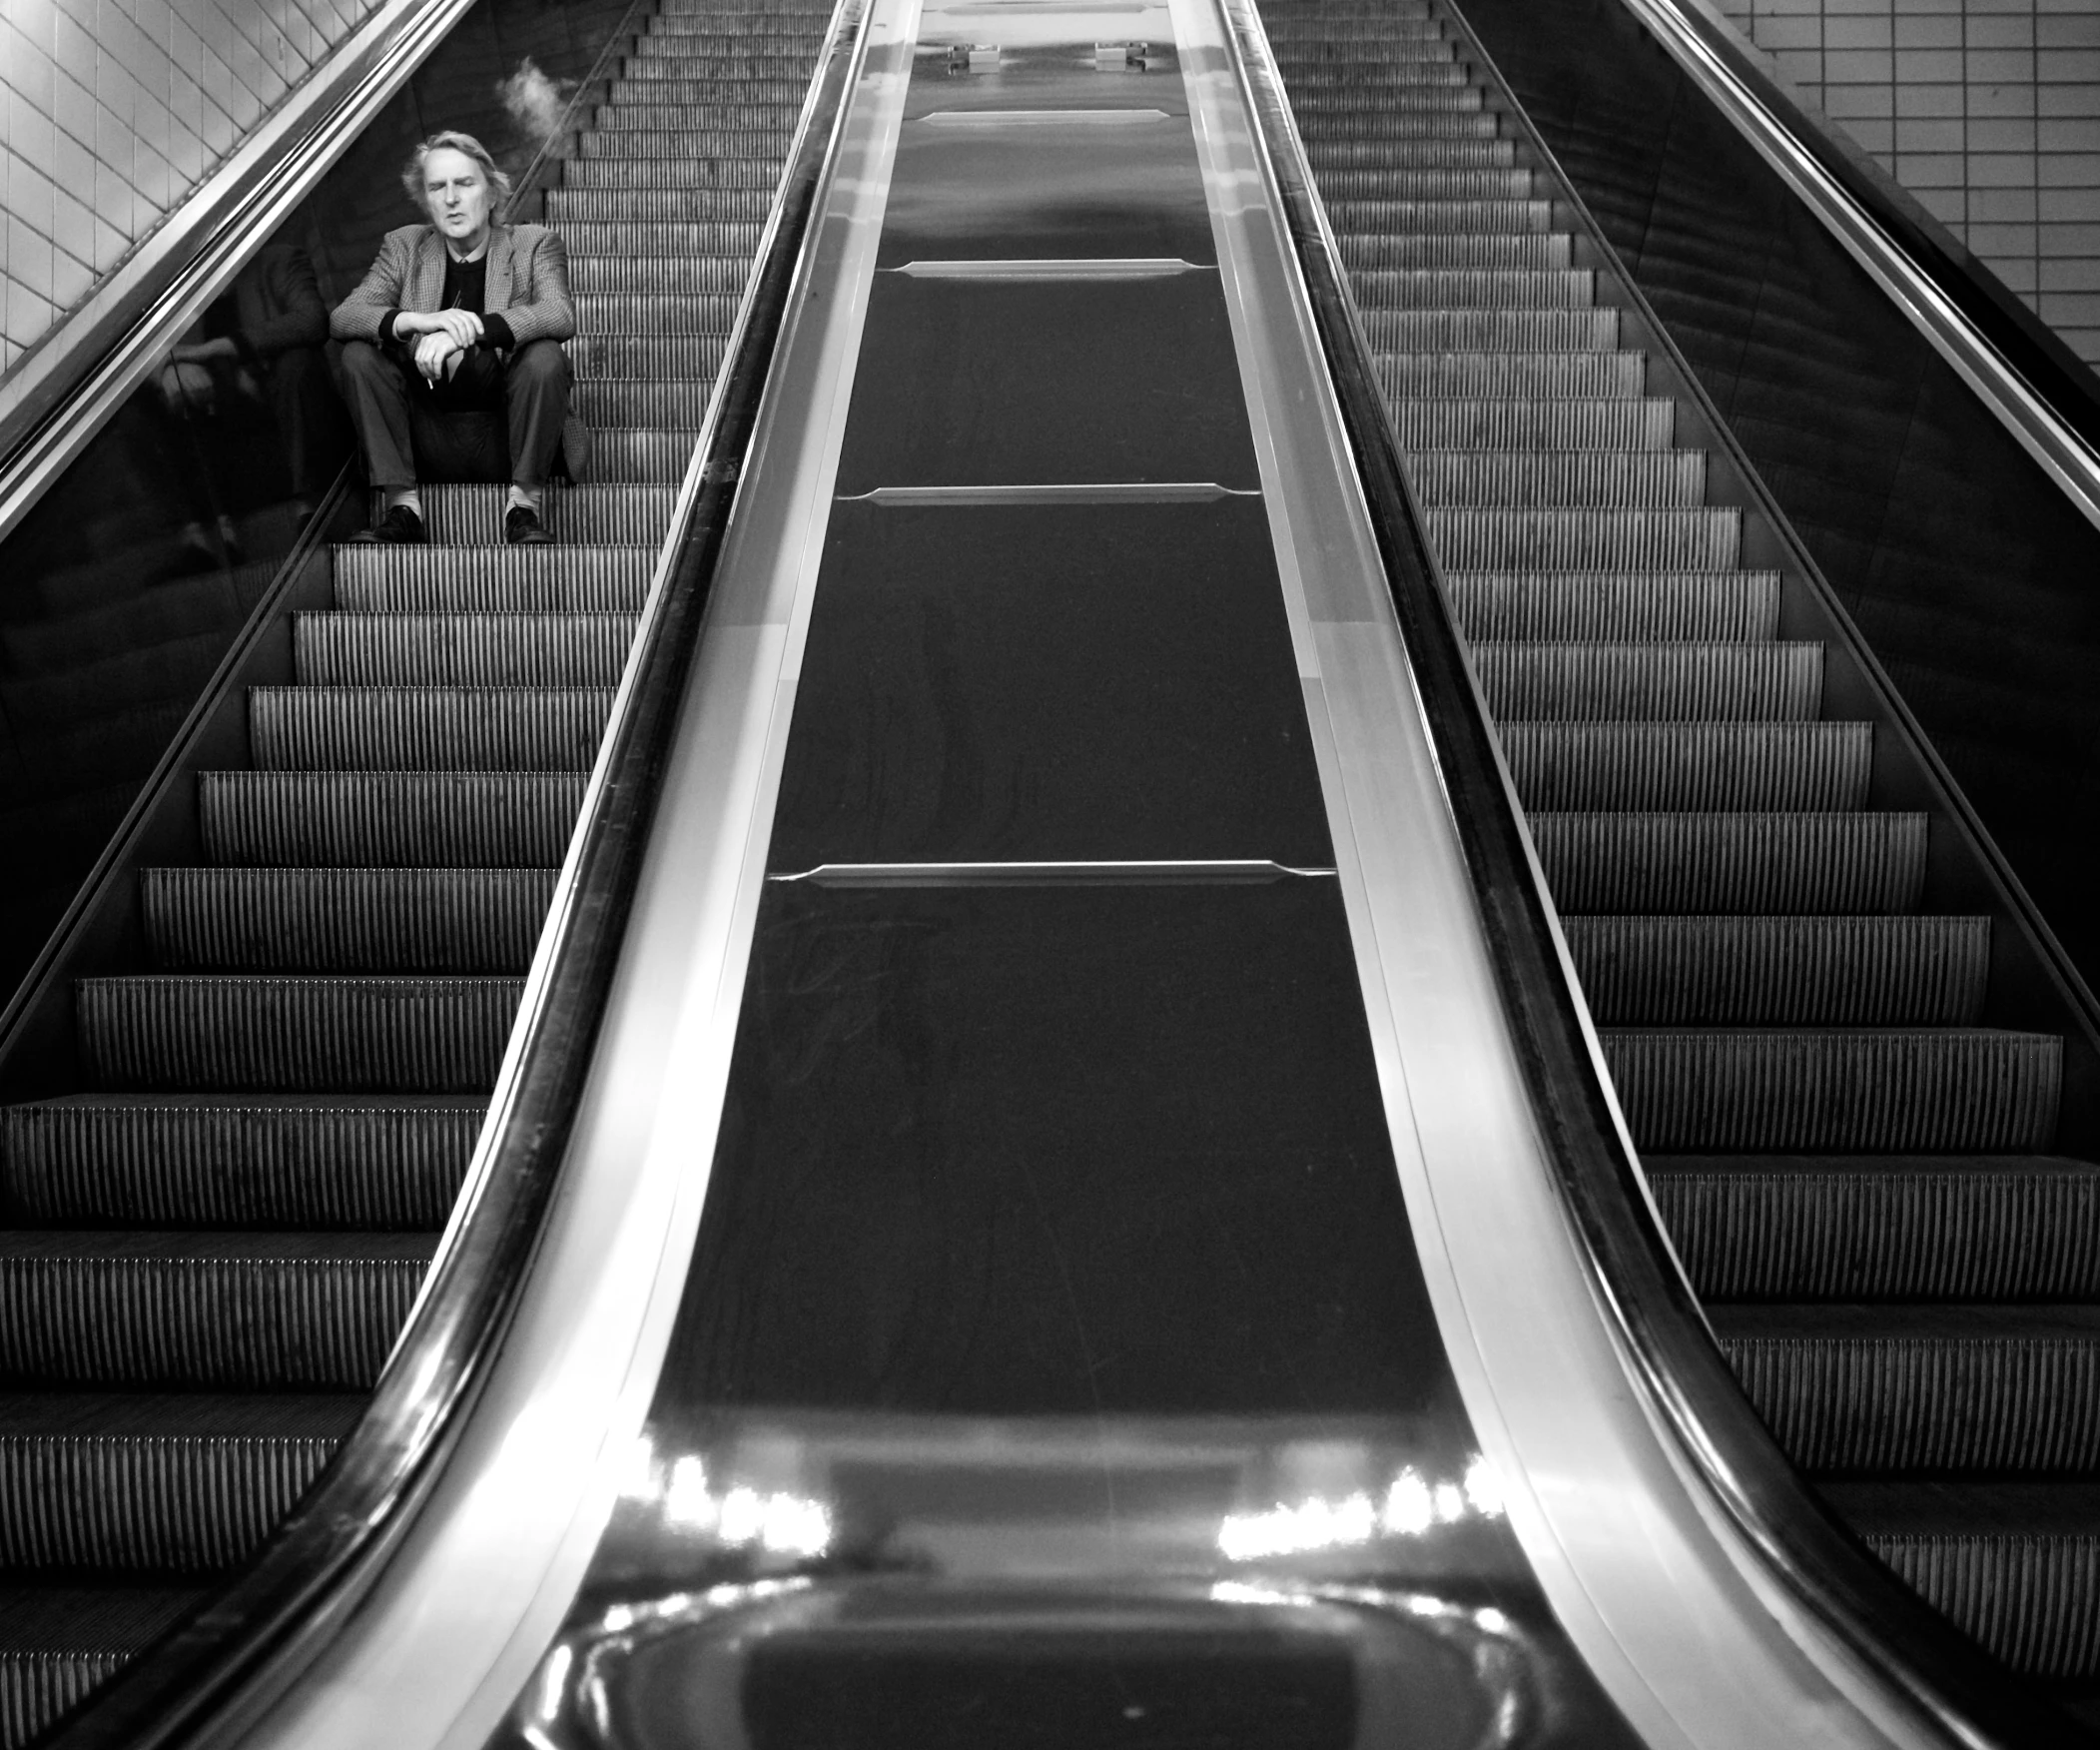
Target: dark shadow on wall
[(124, 589), (1968, 573)]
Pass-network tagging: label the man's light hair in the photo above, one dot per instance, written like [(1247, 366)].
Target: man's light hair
[(412, 171)]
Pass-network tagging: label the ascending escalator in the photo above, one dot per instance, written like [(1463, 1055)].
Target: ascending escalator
[(1856, 1169), (218, 1237)]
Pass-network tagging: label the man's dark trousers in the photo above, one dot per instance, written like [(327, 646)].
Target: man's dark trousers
[(401, 415)]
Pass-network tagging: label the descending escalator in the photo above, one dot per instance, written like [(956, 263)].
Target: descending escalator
[(1857, 1171), (217, 1236)]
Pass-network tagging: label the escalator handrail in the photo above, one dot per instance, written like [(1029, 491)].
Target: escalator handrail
[(100, 355), (1946, 1689), (2024, 374), (254, 1640)]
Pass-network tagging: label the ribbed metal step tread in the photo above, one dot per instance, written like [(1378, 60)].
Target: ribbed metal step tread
[(1733, 606), (1363, 252), (1682, 682), (1746, 862), (1683, 768), (765, 143), (641, 358), (1895, 1091), (344, 920), (666, 176), (599, 276), (678, 103), (60, 1639), (1526, 427), (1449, 152), (374, 577), (671, 405), (389, 818), (161, 1484), (701, 238), (656, 312), (1492, 330), (1782, 971), (208, 1311), (472, 515), (657, 60), (1969, 1387), (1595, 479), (2015, 1566), (1509, 289), (352, 1035), (1522, 376), (142, 1160), (1887, 1227), (1511, 538), (434, 728), (462, 649), (638, 454), (1351, 113), (616, 205)]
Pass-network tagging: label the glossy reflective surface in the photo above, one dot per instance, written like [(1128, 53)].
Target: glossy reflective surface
[(1056, 1366)]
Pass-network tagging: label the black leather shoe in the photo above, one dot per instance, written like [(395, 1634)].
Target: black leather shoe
[(400, 526), (522, 528)]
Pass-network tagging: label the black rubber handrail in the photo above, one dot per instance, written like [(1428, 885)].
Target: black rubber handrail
[(257, 1636), (1950, 1690)]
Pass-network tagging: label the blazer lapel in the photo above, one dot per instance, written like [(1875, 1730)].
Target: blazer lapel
[(427, 288), (496, 289)]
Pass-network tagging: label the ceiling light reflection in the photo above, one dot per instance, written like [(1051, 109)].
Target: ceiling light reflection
[(779, 1523), (1413, 1504)]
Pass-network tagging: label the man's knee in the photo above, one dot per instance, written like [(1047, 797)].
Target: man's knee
[(540, 365), (364, 362)]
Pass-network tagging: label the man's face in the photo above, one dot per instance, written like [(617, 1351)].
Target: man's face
[(457, 194)]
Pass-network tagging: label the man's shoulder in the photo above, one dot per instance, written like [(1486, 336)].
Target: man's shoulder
[(410, 237), (527, 235)]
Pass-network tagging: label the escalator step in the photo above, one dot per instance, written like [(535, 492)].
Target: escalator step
[(616, 205), (1675, 683), (264, 1034), (682, 104), (1861, 1388), (206, 1311), (294, 729), (754, 48), (587, 515), (1492, 330), (1347, 114), (377, 578), (735, 240), (658, 62), (672, 405), (1822, 767), (1470, 153), (2015, 1566), (1795, 1228), (139, 1161), (344, 920), (631, 176), (630, 275), (462, 649), (1589, 480), (162, 1483), (659, 312), (1733, 862), (1521, 375), (1785, 971), (1505, 289), (1729, 606), (62, 1640), (1972, 1091), (636, 454), (499, 820), (1709, 538), (1375, 251), (722, 142), (643, 357), (1619, 424)]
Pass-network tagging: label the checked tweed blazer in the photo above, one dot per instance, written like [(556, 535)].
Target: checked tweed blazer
[(528, 282)]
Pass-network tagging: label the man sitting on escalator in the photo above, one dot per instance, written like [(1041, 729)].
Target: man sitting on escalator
[(461, 317)]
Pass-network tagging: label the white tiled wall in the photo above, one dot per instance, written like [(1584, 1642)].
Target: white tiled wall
[(111, 110), (1988, 110)]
